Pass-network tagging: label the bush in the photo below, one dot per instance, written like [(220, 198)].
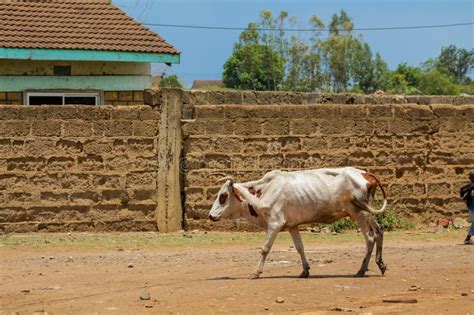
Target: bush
[(171, 81), (436, 83)]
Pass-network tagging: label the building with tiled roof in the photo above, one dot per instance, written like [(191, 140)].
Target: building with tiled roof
[(75, 51)]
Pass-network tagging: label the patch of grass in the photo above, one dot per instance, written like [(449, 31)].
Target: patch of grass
[(391, 220), (341, 225)]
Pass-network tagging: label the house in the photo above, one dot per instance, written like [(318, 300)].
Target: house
[(75, 52)]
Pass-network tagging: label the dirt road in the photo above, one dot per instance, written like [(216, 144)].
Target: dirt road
[(208, 273)]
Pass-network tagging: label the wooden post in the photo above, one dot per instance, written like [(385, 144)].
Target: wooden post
[(169, 212)]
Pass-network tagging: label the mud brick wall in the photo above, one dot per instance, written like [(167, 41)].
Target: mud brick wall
[(78, 168), (123, 97), (11, 98), (420, 147)]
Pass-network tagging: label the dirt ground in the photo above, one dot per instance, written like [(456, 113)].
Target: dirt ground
[(201, 272)]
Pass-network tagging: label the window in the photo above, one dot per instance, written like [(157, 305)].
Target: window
[(62, 98)]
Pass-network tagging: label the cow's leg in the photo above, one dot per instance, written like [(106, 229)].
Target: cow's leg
[(364, 219), (272, 232), (295, 234), (379, 244)]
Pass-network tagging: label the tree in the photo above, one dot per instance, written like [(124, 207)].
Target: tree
[(453, 62), (437, 83), (171, 81), (363, 67), (254, 67), (381, 74)]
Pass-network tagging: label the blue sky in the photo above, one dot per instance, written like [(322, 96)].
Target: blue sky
[(204, 52)]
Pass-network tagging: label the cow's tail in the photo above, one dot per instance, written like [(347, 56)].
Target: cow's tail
[(366, 206)]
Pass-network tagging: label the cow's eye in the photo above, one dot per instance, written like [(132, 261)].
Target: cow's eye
[(223, 198)]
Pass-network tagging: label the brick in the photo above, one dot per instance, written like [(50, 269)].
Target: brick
[(14, 128), (190, 128), (94, 112), (54, 197), (209, 112), (218, 127), (60, 112), (111, 96), (46, 128), (276, 127), (145, 128), (77, 128), (138, 96), (306, 127), (149, 113), (119, 128), (126, 113), (3, 96), (84, 197), (126, 96), (14, 96), (248, 127)]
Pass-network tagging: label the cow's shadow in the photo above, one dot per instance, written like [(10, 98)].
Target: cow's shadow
[(343, 276)]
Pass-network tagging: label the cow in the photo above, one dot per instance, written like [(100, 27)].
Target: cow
[(283, 200)]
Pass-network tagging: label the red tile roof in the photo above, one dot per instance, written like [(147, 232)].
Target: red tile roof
[(75, 24)]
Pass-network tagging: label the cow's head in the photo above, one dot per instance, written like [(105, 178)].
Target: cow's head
[(227, 203)]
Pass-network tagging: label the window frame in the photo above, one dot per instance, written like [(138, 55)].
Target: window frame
[(63, 95)]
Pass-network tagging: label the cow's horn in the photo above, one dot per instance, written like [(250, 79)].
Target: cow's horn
[(226, 179)]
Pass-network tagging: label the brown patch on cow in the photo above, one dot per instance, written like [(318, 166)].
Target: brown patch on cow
[(223, 198), (371, 184), (252, 211), (256, 193)]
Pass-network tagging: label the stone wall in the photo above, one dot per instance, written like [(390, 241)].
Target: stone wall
[(134, 167), (78, 168), (420, 147)]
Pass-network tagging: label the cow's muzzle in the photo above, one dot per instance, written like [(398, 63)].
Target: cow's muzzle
[(213, 218)]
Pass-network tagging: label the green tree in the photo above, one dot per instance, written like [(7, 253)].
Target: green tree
[(406, 79), (455, 62), (254, 67), (382, 75), (436, 83), (171, 81), (363, 67)]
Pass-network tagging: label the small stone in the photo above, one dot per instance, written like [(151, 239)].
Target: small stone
[(341, 309), (464, 294), (130, 265), (413, 288), (148, 306), (25, 291), (120, 249), (52, 257), (279, 300), (145, 296), (69, 259)]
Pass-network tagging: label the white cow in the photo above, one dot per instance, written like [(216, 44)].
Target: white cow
[(283, 200)]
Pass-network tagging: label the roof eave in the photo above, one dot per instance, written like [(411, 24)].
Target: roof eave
[(87, 55)]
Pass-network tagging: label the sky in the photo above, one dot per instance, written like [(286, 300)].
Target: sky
[(204, 52)]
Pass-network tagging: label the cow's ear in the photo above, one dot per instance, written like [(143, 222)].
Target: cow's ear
[(237, 194)]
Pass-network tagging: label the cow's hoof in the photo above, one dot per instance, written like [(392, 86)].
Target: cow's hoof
[(254, 276), (383, 268), (360, 274), (304, 274)]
